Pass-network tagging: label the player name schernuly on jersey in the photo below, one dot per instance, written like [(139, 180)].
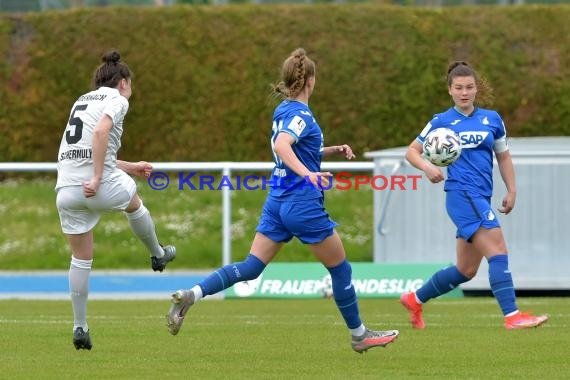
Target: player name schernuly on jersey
[(74, 154), (90, 97)]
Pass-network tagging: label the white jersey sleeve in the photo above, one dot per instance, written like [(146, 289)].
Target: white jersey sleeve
[(75, 157)]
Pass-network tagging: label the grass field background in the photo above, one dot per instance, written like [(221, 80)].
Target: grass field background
[(31, 237), (281, 339), (245, 339)]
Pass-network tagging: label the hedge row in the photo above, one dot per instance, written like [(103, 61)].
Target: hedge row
[(202, 73)]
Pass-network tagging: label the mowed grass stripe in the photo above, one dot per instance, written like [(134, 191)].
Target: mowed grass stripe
[(281, 339)]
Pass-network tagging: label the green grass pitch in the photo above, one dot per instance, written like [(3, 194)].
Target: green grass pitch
[(281, 339)]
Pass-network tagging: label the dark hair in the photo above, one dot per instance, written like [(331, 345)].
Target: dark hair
[(463, 69), (111, 71), (296, 70)]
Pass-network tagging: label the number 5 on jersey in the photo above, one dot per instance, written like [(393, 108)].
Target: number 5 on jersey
[(73, 135)]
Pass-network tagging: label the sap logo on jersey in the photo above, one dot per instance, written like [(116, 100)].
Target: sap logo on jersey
[(472, 139)]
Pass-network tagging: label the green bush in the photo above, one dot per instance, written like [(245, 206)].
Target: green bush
[(203, 73)]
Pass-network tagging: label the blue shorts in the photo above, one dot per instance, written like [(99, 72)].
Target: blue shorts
[(306, 220), (470, 211)]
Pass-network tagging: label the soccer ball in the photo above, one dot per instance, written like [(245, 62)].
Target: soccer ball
[(442, 147), (326, 287)]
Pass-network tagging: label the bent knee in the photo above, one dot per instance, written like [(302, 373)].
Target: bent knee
[(468, 271)]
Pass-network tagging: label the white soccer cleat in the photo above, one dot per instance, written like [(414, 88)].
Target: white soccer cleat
[(181, 302), (372, 338)]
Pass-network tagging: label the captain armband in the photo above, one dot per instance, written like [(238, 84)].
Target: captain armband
[(500, 145)]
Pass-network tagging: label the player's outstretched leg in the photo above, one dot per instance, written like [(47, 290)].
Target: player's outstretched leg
[(408, 300), (159, 263), (181, 302), (81, 339), (372, 338)]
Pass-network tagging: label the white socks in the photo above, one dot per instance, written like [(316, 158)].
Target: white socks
[(143, 227), (79, 271), (197, 290), (359, 331)]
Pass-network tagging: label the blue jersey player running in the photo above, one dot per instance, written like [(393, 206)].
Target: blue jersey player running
[(469, 187), (294, 208)]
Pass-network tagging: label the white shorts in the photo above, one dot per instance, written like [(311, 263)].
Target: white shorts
[(78, 214)]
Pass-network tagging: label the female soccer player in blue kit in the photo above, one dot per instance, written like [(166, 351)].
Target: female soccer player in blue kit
[(294, 208), (469, 187)]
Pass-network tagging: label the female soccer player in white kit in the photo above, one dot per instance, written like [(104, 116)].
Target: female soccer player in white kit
[(90, 181)]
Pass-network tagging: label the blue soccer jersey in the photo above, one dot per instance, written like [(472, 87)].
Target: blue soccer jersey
[(296, 119), (479, 132)]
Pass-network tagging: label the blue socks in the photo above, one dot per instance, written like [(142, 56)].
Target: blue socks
[(500, 280), (440, 283), (251, 268), (228, 275), (501, 283), (344, 294)]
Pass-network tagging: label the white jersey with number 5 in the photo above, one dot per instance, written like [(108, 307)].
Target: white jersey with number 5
[(75, 157)]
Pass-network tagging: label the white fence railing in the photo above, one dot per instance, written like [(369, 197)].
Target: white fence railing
[(413, 226), (225, 168)]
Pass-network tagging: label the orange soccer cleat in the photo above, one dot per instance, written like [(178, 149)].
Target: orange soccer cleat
[(523, 321), (415, 309)]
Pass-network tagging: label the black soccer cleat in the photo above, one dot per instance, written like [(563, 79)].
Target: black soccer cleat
[(159, 263), (81, 339)]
